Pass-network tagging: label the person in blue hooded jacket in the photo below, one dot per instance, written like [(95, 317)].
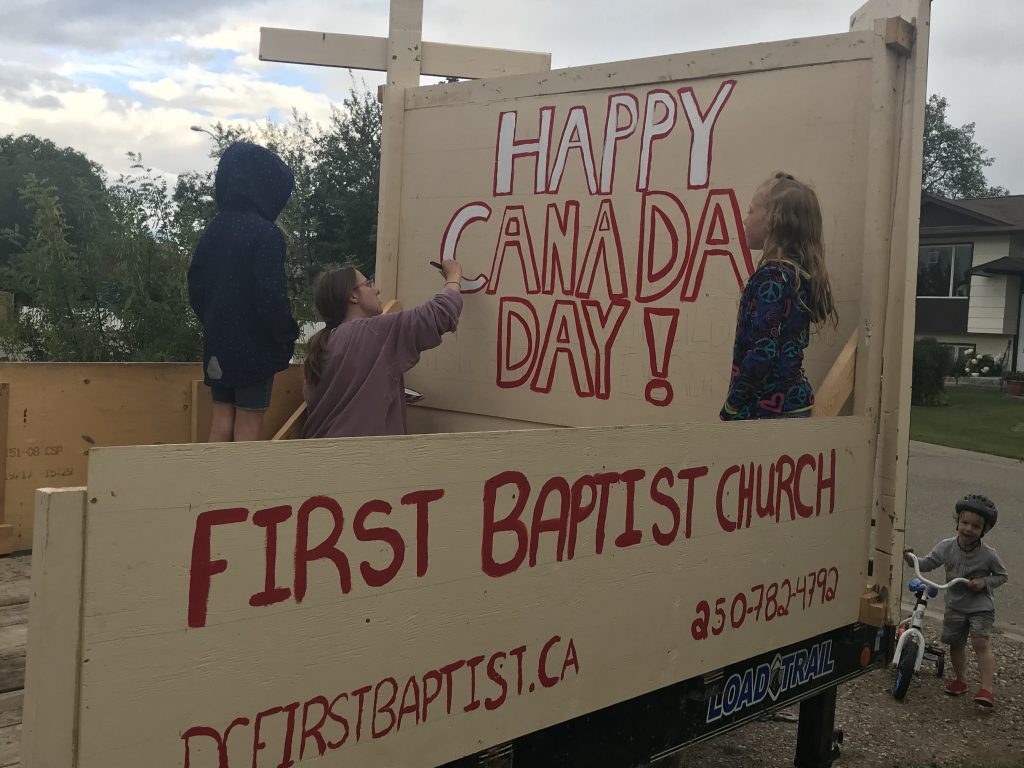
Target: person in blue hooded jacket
[(238, 290)]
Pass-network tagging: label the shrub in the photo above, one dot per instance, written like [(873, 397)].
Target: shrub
[(931, 362)]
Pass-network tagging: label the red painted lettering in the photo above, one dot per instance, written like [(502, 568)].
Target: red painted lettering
[(410, 706), (509, 524), (828, 481), (805, 461), (545, 679), (557, 524), (690, 476), (422, 501), (785, 484), (313, 732), (341, 720), (378, 577), (269, 519), (324, 550), (428, 695), (518, 333), (664, 538), (474, 702), (571, 661), (631, 535), (386, 707), (203, 568), (213, 733), (561, 239), (724, 522), (494, 665)]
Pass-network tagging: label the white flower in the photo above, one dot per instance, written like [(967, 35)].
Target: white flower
[(975, 373), (974, 361), (985, 369)]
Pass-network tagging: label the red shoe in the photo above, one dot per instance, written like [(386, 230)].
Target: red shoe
[(957, 688), (984, 698)]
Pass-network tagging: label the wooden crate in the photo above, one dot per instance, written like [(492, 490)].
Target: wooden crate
[(52, 414)]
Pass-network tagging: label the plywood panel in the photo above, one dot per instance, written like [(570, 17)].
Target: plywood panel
[(57, 412), (613, 605), (621, 344)]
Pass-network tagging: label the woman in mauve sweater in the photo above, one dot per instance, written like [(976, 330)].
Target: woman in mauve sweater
[(355, 366)]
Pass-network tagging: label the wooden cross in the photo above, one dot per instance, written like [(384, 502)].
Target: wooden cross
[(404, 56)]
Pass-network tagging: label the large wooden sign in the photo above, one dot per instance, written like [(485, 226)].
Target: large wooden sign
[(402, 602), (598, 214)]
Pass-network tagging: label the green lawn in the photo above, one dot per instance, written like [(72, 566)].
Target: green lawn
[(975, 420)]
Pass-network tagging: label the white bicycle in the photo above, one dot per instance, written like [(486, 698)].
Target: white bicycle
[(911, 648)]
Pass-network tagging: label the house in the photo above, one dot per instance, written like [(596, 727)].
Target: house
[(970, 275)]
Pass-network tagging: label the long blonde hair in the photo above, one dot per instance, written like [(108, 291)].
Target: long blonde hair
[(794, 232), (331, 293)]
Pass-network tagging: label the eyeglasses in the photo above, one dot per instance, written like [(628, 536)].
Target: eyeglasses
[(368, 284)]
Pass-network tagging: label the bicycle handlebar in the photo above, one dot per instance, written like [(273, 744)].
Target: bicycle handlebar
[(947, 585)]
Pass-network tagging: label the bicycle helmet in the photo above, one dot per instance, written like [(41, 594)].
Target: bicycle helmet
[(980, 505)]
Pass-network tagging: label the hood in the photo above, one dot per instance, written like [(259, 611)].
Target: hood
[(252, 179)]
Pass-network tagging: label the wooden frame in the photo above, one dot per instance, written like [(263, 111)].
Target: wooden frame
[(255, 535), (52, 676)]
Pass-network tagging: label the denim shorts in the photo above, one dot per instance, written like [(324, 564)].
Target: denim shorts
[(253, 397), (956, 626)]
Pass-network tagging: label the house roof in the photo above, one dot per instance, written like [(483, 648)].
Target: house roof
[(974, 216), (1009, 208), (1007, 265)]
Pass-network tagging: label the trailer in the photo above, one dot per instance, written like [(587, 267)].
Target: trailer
[(571, 561)]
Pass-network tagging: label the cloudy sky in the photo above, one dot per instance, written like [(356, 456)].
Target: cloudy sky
[(112, 76)]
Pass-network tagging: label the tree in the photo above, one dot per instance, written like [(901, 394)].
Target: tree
[(954, 163), (347, 181), (148, 293), (120, 296), (64, 317), (77, 182)]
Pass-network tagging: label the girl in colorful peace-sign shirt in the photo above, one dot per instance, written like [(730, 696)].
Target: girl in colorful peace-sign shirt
[(787, 295)]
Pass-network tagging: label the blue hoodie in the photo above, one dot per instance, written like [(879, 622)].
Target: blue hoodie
[(236, 282)]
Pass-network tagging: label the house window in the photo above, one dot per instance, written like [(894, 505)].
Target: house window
[(944, 271)]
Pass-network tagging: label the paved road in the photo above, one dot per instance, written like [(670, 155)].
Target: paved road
[(938, 477)]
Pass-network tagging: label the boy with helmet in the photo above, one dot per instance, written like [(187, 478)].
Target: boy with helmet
[(969, 609)]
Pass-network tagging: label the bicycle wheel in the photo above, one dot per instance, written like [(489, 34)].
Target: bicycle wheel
[(905, 669)]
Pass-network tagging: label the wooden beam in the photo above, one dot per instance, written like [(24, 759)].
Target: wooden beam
[(899, 35), (290, 429), (6, 529), (837, 386), (198, 391), (50, 719), (405, 36), (327, 49)]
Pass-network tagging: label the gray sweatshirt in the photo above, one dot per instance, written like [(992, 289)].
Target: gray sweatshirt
[(981, 562), (360, 392)]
